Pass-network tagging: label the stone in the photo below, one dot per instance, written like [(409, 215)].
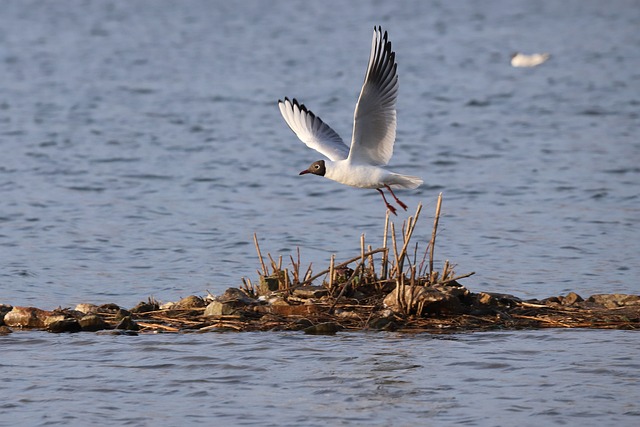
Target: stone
[(217, 308), (4, 309), (302, 323), (381, 322), (237, 296), (614, 300), (93, 323), (307, 292), (551, 301), (54, 317), (628, 300), (192, 301), (121, 314), (327, 328), (144, 307), (4, 330), (233, 300), (269, 284), (109, 308), (571, 299), (278, 301), (117, 332), (87, 308), (127, 324), (64, 325), (423, 300), (26, 317), (497, 300)]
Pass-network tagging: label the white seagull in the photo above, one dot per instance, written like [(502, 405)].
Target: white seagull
[(521, 60), (374, 130)]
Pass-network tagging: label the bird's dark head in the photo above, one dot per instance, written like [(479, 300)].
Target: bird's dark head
[(316, 168)]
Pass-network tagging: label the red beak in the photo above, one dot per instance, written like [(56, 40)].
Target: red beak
[(304, 172)]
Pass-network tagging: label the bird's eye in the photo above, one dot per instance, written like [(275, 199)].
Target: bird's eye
[(317, 167)]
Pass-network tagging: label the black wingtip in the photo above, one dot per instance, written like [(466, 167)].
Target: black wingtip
[(286, 99)]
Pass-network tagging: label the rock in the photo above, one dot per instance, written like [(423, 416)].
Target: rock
[(121, 314), (117, 332), (145, 307), (167, 306), (613, 300), (383, 320), (109, 308), (127, 324), (4, 330), (382, 324), (87, 308), (235, 295), (231, 302), (269, 284), (26, 317), (302, 323), (64, 325), (191, 301), (422, 300), (571, 299), (307, 292), (278, 301), (4, 309), (497, 300), (218, 308), (53, 318), (328, 328), (93, 323), (551, 301)]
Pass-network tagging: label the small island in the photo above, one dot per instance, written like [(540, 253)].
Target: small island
[(390, 288)]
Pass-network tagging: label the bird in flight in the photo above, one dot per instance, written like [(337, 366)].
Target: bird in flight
[(374, 130)]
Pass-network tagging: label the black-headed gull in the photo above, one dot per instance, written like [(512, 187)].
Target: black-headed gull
[(374, 130)]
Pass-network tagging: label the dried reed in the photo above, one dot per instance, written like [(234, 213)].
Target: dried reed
[(401, 269)]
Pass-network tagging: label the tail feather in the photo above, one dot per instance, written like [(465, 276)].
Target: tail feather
[(405, 181)]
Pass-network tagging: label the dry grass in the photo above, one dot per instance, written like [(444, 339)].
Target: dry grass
[(396, 263)]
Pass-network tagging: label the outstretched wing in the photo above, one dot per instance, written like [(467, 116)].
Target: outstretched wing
[(312, 130), (374, 121)]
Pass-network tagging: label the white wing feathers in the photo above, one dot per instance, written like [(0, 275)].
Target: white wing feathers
[(312, 130), (374, 121)]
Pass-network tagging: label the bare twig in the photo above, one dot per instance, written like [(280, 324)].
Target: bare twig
[(255, 241), (344, 287), (385, 255), (432, 243), (344, 264)]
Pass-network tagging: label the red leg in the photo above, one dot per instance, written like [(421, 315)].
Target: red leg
[(397, 200), (391, 208)]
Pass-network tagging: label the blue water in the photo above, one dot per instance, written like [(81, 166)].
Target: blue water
[(526, 378), (141, 147)]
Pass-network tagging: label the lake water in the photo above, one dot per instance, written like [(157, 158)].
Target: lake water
[(141, 147)]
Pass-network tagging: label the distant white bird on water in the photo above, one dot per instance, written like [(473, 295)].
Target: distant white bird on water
[(521, 60), (374, 130)]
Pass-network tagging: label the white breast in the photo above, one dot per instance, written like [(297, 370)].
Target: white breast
[(361, 176)]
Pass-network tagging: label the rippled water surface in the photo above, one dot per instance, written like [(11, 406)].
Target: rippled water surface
[(141, 147), (516, 378)]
